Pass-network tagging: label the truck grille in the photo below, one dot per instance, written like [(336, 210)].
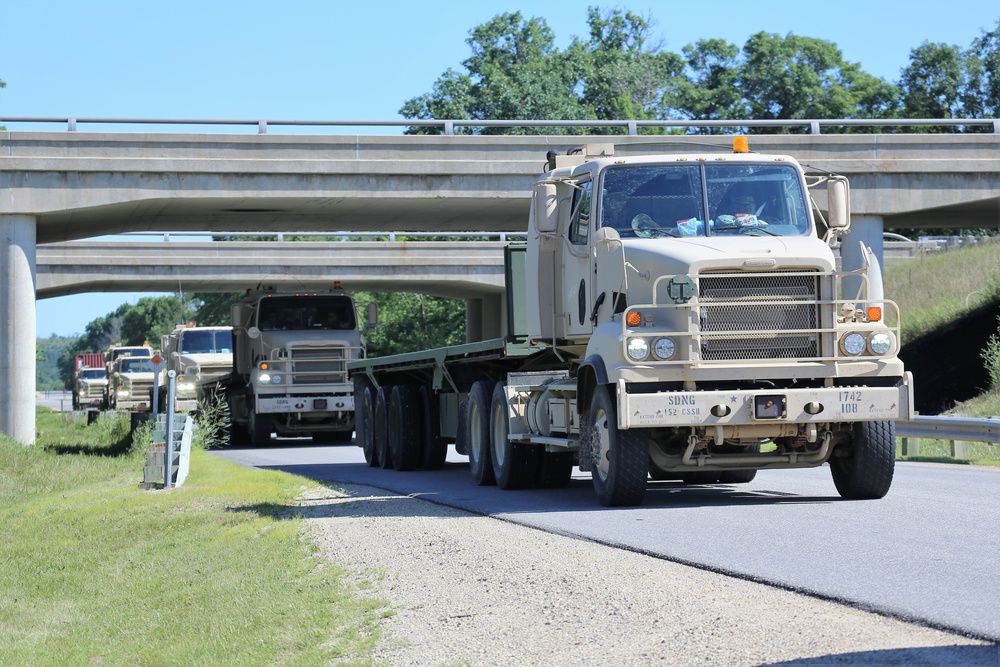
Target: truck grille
[(94, 391), (763, 316), (318, 365)]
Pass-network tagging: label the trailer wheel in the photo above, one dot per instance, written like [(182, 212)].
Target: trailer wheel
[(434, 448), (404, 428), (260, 430), (514, 463), (620, 457), (478, 433), (380, 431), (366, 426), (864, 472), (555, 469)]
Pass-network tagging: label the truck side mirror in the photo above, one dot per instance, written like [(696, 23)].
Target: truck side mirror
[(372, 316), (546, 208), (838, 195), (234, 314)]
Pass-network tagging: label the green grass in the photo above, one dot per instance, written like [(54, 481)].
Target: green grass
[(936, 288), (94, 570)]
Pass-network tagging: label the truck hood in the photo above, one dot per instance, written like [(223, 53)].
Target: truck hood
[(211, 359), (668, 256), (318, 338)]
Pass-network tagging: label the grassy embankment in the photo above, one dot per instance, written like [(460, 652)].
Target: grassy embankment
[(934, 289), (94, 570)]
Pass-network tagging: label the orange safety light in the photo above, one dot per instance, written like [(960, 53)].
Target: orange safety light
[(874, 313), (741, 145), (633, 318), (264, 366)]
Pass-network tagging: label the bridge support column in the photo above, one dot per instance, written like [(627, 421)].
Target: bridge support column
[(17, 327), (865, 229)]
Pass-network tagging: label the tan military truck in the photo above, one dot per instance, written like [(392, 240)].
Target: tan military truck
[(671, 316), (199, 356)]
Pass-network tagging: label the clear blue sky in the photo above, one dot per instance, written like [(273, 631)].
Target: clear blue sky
[(361, 60)]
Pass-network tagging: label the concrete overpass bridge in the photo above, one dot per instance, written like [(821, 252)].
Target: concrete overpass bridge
[(63, 186)]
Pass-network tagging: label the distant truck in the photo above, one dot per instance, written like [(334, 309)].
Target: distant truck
[(290, 354), (90, 380), (116, 387), (200, 356), (673, 316), (131, 384)]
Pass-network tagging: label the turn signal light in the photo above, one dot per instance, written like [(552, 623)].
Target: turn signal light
[(633, 318), (264, 365), (874, 313)]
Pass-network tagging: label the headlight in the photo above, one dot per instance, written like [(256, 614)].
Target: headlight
[(664, 348), (276, 378), (637, 348), (852, 344), (123, 392), (880, 342), (265, 378)]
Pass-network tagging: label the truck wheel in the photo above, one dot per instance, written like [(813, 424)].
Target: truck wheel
[(366, 426), (514, 463), (737, 476), (260, 430), (380, 430), (864, 472), (404, 428), (478, 433), (555, 469), (433, 446), (620, 457)]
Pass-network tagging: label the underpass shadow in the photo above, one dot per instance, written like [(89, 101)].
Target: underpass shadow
[(952, 656)]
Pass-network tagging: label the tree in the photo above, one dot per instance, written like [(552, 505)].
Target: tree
[(411, 322), (791, 77), (514, 72), (983, 63), (623, 78), (934, 81), (708, 87)]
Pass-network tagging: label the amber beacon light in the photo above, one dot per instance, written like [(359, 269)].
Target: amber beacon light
[(741, 145)]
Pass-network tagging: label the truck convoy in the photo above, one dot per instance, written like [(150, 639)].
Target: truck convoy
[(669, 317), (199, 356), (90, 380), (290, 354)]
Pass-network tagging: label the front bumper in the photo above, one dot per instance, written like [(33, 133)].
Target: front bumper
[(765, 410)]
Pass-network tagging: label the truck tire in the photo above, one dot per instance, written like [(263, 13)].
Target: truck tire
[(380, 430), (555, 469), (404, 428), (515, 464), (462, 429), (365, 419), (260, 430), (433, 447), (620, 457), (864, 472), (478, 433), (737, 476)]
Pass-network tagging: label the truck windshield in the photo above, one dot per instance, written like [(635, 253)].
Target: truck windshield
[(132, 365), (206, 342), (93, 373), (649, 201), (300, 313)]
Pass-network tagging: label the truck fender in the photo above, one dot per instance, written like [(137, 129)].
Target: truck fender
[(591, 374)]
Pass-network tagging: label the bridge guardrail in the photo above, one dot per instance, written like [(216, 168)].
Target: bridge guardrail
[(447, 127)]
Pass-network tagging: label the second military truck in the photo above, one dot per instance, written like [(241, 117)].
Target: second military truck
[(290, 355), (670, 317)]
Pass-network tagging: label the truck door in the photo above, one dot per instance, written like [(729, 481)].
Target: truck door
[(576, 268)]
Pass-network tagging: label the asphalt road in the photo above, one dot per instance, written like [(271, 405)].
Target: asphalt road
[(926, 553)]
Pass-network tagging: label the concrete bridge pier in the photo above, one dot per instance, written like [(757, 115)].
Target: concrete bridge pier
[(865, 229), (17, 327)]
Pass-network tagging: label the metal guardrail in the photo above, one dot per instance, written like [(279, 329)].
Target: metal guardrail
[(447, 127), (951, 428)]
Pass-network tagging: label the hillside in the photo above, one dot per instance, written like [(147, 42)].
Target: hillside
[(949, 306)]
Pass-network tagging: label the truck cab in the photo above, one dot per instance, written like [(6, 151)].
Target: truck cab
[(199, 356)]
